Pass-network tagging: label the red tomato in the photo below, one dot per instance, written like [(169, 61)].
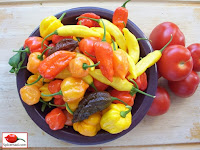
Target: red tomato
[(175, 63), (161, 34), (195, 52), (87, 47), (124, 96), (54, 87), (160, 104), (142, 81), (185, 87), (99, 85)]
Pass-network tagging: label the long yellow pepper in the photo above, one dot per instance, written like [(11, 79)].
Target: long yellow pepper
[(149, 60), (101, 31), (132, 45)]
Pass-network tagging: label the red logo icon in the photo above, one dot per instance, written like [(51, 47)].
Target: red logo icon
[(12, 138)]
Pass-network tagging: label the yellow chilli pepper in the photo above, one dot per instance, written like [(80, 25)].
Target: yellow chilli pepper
[(132, 45), (44, 90), (63, 74), (30, 94), (90, 126), (101, 31), (149, 60), (33, 78), (49, 25), (116, 118)]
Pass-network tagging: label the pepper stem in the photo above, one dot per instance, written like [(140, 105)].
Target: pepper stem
[(62, 16), (64, 105), (55, 32), (40, 57), (135, 90), (93, 86), (134, 83), (27, 50), (115, 98), (167, 44), (58, 93), (124, 5), (124, 113), (114, 46), (20, 139), (89, 54), (38, 79), (85, 66), (104, 32), (144, 39), (78, 38)]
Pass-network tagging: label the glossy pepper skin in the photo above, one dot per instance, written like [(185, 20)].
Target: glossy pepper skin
[(12, 138), (63, 74), (120, 63), (33, 78), (87, 22), (73, 89), (57, 38), (56, 119), (33, 44), (142, 81), (111, 120), (90, 126), (54, 86), (33, 62), (55, 63), (30, 94), (49, 25), (120, 16), (132, 45), (44, 89)]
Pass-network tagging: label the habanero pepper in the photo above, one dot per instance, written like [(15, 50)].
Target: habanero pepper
[(12, 138), (49, 25), (87, 22), (120, 16), (149, 60), (59, 101), (56, 119), (55, 63), (54, 86), (104, 54), (33, 78), (142, 81), (44, 90), (57, 38), (69, 118)]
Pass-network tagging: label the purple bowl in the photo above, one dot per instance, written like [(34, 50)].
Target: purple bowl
[(142, 102)]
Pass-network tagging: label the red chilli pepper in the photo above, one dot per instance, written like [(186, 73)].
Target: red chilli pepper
[(120, 16), (104, 54), (56, 119), (57, 38), (55, 63), (12, 138), (59, 101), (87, 22), (142, 81), (54, 87)]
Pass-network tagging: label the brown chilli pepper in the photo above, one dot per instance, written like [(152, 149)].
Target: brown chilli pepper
[(64, 44)]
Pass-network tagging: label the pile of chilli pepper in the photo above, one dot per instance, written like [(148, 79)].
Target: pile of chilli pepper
[(88, 73)]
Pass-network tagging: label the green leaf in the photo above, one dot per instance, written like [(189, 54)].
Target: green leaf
[(21, 62), (14, 60), (12, 70)]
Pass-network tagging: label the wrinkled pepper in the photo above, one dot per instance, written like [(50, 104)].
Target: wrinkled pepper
[(120, 16), (91, 62), (56, 119), (33, 78), (44, 90), (49, 25), (90, 126), (149, 60), (55, 63), (104, 54), (113, 122), (132, 45), (113, 30), (54, 87), (57, 38), (30, 94), (142, 81), (87, 22), (69, 118), (33, 62)]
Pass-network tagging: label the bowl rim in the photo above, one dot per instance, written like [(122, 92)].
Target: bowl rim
[(80, 139)]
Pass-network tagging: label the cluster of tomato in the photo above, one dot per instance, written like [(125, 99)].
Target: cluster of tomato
[(178, 65)]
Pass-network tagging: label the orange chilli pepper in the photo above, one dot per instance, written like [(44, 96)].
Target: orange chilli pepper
[(120, 16), (120, 63), (55, 63)]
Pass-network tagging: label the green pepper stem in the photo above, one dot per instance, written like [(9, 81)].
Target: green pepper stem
[(85, 66), (27, 50), (78, 39), (55, 32), (97, 20), (64, 105), (144, 39), (38, 79), (104, 32), (134, 83), (124, 5), (40, 57), (58, 93), (90, 54), (41, 100), (115, 98), (167, 44), (124, 113), (134, 90), (20, 139), (113, 42), (93, 86), (62, 16)]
